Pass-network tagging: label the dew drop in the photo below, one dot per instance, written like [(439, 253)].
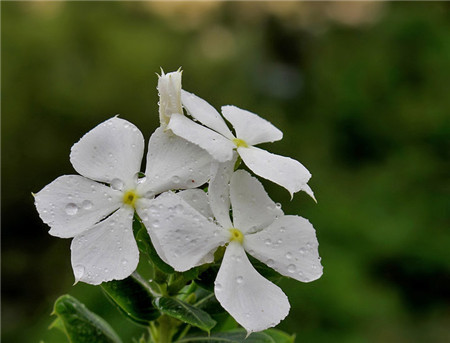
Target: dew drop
[(175, 179), (117, 184), (87, 205), (270, 262), (179, 208), (267, 242), (124, 261), (302, 251), (239, 279), (218, 287), (288, 255), (71, 209), (291, 268), (278, 205)]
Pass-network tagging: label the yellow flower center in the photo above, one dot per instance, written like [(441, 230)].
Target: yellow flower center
[(130, 197), (236, 235), (240, 143)]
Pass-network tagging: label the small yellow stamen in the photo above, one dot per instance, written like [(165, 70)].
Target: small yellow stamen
[(236, 235), (240, 143), (130, 197)]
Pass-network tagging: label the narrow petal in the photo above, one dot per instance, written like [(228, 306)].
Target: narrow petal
[(219, 191), (183, 234), (219, 147), (281, 170), (253, 301), (250, 127), (169, 90), (289, 246), (112, 151), (252, 207), (107, 251), (199, 109), (71, 204), (174, 163)]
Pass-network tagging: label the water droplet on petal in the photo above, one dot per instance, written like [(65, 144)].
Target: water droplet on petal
[(71, 209), (239, 279), (218, 287), (175, 179), (270, 262), (124, 261), (288, 255), (179, 208), (267, 242), (278, 205), (117, 184), (78, 271), (291, 268), (87, 205)]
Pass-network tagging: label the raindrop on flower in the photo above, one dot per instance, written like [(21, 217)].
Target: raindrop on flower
[(71, 209), (291, 268), (86, 204), (117, 184), (175, 179), (239, 279), (218, 287), (288, 255)]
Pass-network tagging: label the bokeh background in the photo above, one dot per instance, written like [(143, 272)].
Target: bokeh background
[(360, 90)]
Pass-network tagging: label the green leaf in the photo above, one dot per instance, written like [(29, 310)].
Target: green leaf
[(185, 312), (279, 336), (235, 336), (145, 246), (81, 325), (207, 301), (133, 298)]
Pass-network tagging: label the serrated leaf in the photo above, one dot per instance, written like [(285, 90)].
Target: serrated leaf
[(145, 245), (133, 298), (81, 325), (185, 312), (235, 336), (280, 336)]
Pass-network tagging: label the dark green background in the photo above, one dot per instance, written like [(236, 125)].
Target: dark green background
[(360, 90)]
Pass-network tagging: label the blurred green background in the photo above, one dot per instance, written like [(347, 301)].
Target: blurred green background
[(360, 90)]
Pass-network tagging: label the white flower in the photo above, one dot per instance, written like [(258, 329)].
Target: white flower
[(187, 236), (250, 129), (98, 216), (169, 90)]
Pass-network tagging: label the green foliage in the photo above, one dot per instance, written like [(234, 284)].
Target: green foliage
[(133, 297), (81, 325), (185, 312)]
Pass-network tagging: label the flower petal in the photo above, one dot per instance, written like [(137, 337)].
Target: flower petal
[(253, 301), (201, 110), (107, 251), (71, 204), (183, 234), (198, 200), (111, 151), (174, 163), (169, 89), (219, 191), (289, 246), (250, 127), (219, 147), (252, 207), (281, 170)]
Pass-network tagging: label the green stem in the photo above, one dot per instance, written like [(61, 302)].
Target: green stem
[(165, 330)]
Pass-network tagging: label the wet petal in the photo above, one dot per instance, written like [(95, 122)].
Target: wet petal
[(183, 234), (198, 200), (111, 151), (252, 207), (201, 110), (250, 127), (219, 147), (174, 163), (253, 301), (281, 170), (71, 204), (289, 246), (107, 251), (219, 191)]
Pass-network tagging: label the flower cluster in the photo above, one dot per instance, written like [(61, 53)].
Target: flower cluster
[(186, 224)]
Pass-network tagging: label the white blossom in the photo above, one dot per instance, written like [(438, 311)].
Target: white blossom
[(169, 90), (217, 139), (191, 225), (96, 208)]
